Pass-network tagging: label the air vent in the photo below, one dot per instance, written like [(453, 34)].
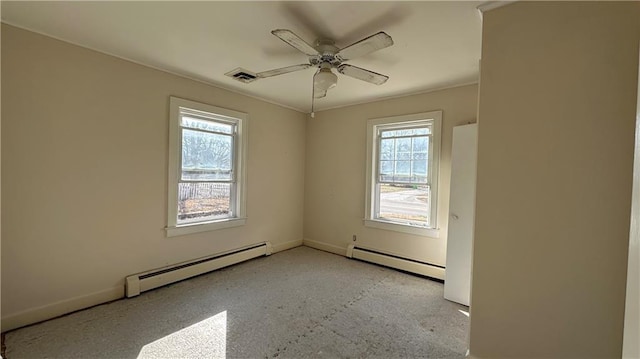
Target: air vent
[(242, 75)]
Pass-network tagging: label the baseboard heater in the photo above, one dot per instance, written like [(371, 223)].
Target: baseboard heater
[(141, 282), (389, 260)]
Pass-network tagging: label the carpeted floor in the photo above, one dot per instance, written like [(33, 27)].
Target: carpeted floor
[(301, 303)]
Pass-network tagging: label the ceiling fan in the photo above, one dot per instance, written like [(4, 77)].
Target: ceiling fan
[(325, 56)]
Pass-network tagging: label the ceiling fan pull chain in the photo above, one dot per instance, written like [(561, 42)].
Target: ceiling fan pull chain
[(313, 98)]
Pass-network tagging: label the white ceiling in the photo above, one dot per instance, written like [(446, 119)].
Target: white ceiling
[(437, 44)]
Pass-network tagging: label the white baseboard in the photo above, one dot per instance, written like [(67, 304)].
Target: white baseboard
[(62, 307), (159, 277), (49, 311), (325, 247), (279, 247), (390, 260)]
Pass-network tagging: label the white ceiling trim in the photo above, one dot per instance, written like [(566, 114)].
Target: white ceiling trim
[(491, 5), (401, 95)]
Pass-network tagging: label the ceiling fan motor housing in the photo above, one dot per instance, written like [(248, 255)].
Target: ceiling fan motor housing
[(327, 53)]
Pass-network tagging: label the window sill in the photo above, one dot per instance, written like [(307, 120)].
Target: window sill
[(204, 227), (404, 228)]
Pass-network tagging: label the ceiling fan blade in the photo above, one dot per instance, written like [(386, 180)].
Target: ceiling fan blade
[(365, 46), (295, 41), (282, 70), (362, 74)]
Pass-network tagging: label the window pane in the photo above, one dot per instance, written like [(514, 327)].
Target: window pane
[(403, 170), (386, 168), (206, 156), (405, 132), (405, 203), (403, 148), (387, 149), (404, 156), (420, 155), (420, 147), (419, 168), (203, 201), (404, 159), (192, 122)]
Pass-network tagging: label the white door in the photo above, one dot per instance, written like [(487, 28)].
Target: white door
[(630, 345), (457, 283)]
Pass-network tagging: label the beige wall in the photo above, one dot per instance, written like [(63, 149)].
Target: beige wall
[(555, 156), (84, 174), (335, 173)]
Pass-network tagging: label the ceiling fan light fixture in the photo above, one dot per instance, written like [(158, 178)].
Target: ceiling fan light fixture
[(325, 79)]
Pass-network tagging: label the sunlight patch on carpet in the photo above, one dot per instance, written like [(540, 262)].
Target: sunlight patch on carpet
[(205, 339)]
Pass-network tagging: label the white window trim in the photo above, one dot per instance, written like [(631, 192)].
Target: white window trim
[(372, 144), (175, 152)]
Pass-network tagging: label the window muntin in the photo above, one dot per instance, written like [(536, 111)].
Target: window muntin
[(404, 155), (206, 169), (402, 169)]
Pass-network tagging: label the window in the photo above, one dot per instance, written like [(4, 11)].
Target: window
[(402, 173), (206, 167)]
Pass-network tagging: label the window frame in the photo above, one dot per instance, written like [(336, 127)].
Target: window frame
[(433, 118), (239, 152)]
